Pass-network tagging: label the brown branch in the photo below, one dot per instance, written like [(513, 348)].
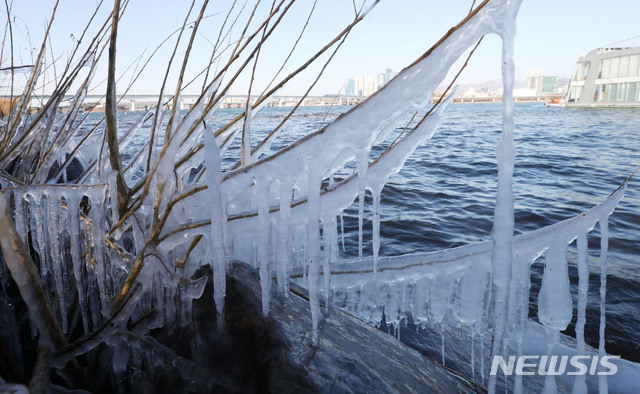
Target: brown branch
[(185, 60), (111, 114)]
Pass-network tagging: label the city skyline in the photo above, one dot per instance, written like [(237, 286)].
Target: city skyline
[(551, 35), (366, 85)]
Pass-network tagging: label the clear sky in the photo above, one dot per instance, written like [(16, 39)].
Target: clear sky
[(551, 36)]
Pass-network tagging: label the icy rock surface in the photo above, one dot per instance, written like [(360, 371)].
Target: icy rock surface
[(343, 360)]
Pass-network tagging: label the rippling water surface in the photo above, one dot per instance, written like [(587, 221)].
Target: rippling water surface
[(567, 161)]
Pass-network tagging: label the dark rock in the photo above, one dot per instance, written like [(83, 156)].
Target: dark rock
[(275, 353)]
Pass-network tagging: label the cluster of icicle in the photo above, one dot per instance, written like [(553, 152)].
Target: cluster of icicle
[(437, 288), (288, 202), (279, 210)]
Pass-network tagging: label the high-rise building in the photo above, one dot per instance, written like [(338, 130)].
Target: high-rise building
[(540, 83), (389, 74), (370, 86), (360, 85), (366, 85), (350, 87)]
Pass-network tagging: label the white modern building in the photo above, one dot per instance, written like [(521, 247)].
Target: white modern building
[(606, 77)]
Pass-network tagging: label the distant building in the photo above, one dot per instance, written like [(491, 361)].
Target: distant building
[(350, 87), (389, 74), (606, 77), (366, 85), (541, 84), (360, 85)]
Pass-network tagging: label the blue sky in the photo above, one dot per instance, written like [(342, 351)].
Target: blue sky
[(551, 35)]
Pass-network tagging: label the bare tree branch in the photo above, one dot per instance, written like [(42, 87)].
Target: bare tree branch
[(111, 113)]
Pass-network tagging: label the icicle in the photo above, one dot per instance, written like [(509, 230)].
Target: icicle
[(304, 253), (482, 358), (469, 300), (96, 214), (20, 217), (420, 298), (362, 164), (246, 138), (213, 161), (473, 358), (189, 292), (554, 299), (113, 195), (442, 342), (503, 224), (55, 237), (42, 246), (375, 191), (604, 246), (555, 307), (550, 385), (342, 229), (264, 243), (333, 234), (580, 384), (93, 293), (521, 285), (284, 236), (77, 263), (327, 224), (392, 302), (438, 298), (372, 301), (313, 250)]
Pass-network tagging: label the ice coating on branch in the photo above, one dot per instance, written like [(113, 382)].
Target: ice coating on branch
[(246, 138), (218, 219), (161, 176), (350, 137), (332, 200)]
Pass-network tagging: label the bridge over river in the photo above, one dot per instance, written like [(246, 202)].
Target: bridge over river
[(95, 103)]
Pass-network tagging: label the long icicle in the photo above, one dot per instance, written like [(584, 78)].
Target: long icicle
[(503, 224), (580, 384), (264, 243), (213, 161), (313, 240), (604, 246)]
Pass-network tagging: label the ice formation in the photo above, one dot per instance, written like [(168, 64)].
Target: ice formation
[(278, 211)]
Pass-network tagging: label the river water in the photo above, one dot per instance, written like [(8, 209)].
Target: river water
[(567, 160)]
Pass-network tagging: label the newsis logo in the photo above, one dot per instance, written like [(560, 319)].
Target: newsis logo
[(554, 365)]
